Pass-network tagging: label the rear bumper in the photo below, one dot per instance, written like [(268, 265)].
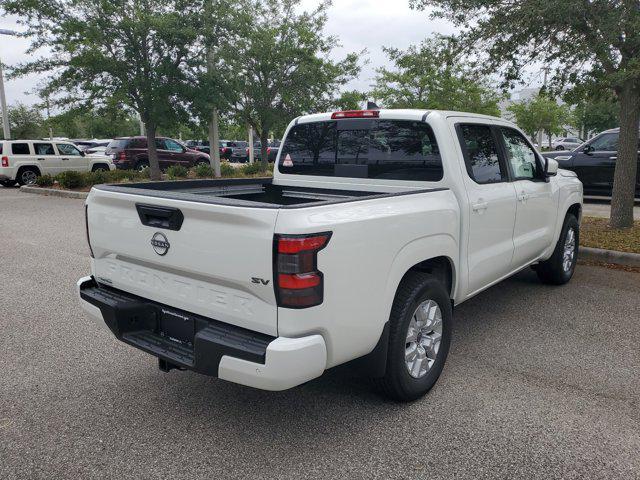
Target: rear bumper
[(207, 346)]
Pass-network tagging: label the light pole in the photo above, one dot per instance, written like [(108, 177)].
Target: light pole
[(3, 99)]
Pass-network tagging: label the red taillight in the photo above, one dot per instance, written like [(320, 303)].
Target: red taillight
[(356, 114), (5, 161), (122, 156), (298, 282), (268, 150)]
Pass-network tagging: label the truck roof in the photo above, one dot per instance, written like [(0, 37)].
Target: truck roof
[(400, 114)]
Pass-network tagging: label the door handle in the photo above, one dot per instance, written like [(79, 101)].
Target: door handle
[(65, 159), (613, 158), (480, 206), (41, 159)]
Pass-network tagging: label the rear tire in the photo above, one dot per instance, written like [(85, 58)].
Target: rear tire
[(419, 338), (559, 269), (142, 166), (100, 167), (27, 176)]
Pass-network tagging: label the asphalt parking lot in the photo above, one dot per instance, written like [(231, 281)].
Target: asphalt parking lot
[(541, 382)]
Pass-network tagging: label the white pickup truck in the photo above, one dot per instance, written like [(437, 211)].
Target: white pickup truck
[(375, 225)]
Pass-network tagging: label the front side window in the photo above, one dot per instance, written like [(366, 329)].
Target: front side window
[(481, 154), (521, 156), (20, 149), (173, 146), (363, 148), (66, 149), (43, 149), (607, 142)]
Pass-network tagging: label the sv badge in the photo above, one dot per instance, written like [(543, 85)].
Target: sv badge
[(259, 281)]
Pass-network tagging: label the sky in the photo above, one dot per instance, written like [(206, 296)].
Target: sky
[(359, 24)]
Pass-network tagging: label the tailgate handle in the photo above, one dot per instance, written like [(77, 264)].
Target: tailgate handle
[(160, 217)]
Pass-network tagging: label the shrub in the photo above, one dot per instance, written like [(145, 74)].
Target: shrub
[(97, 177), (226, 170), (177, 171), (71, 179), (204, 170), (253, 168), (45, 180)]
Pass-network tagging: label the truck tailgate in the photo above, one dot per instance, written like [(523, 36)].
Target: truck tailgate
[(218, 264)]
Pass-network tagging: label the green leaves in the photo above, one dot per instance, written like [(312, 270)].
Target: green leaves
[(434, 75)]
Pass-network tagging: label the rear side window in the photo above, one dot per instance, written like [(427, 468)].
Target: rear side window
[(20, 149), (43, 149), (481, 153), (607, 142), (363, 148)]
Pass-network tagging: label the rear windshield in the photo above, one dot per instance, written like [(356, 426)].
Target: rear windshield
[(363, 148), (118, 143)]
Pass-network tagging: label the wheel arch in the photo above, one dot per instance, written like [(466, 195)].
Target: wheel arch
[(30, 166)]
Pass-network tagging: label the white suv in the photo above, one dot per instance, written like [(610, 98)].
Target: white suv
[(23, 161)]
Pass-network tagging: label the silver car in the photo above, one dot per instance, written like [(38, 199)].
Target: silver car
[(567, 143)]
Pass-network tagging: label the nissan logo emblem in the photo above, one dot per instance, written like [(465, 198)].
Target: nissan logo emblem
[(160, 243)]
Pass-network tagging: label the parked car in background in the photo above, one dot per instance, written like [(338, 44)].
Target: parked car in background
[(87, 144), (272, 151), (566, 143), (238, 151), (101, 150), (594, 162), (375, 224), (23, 161), (132, 153), (204, 146)]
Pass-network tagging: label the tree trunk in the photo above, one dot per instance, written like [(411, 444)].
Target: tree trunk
[(214, 143), (264, 138), (154, 165), (624, 181)]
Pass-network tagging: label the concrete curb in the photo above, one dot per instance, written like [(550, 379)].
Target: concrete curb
[(54, 192), (609, 256)]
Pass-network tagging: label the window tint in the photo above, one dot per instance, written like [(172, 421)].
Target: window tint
[(66, 149), (607, 142), (521, 156), (481, 154), (20, 148), (173, 146), (363, 148), (43, 149)]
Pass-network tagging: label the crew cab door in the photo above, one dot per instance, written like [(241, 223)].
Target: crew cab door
[(491, 203), (537, 203)]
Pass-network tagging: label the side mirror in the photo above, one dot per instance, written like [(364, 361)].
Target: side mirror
[(587, 149), (83, 153), (551, 167)]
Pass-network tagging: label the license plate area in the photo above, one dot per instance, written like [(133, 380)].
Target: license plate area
[(177, 326)]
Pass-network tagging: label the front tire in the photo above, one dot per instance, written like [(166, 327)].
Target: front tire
[(559, 269), (419, 337)]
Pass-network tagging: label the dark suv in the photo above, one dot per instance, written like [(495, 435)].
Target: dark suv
[(132, 153), (595, 162)]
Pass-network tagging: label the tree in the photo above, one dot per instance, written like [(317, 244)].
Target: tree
[(434, 75), (542, 113), (592, 116), (132, 50), (281, 65), (103, 122), (350, 100), (596, 41), (25, 122)]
